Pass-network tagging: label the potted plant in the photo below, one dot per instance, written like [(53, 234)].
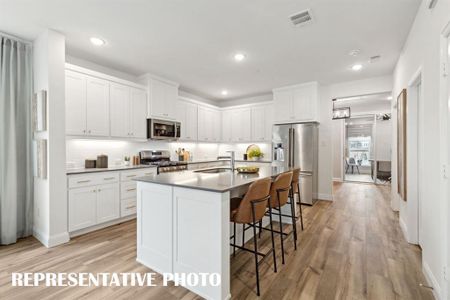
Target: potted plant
[(127, 160), (255, 154)]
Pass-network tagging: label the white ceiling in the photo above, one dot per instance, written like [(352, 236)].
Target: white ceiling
[(192, 42)]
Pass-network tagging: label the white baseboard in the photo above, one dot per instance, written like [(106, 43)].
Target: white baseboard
[(431, 280), (326, 197), (404, 228), (51, 241)]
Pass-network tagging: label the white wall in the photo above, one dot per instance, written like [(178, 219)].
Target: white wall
[(422, 50), (50, 204)]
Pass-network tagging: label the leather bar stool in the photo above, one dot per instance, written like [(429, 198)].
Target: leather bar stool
[(280, 193), (296, 190), (250, 210)]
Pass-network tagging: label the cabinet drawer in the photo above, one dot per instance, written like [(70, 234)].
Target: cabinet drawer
[(127, 207), (82, 180), (128, 190), (130, 175)]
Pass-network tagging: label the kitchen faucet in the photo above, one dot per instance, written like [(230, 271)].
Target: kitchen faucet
[(232, 161)]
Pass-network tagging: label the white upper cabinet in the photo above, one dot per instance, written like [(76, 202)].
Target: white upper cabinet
[(187, 115), (241, 125), (99, 106), (128, 112), (162, 100), (209, 124), (97, 99), (138, 115), (262, 121), (120, 110), (226, 126), (297, 103), (75, 103)]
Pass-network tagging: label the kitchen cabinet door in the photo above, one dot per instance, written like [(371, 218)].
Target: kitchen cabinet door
[(283, 105), (269, 116), (97, 99), (157, 99), (170, 98), (304, 103), (108, 202), (120, 110), (82, 208), (75, 103), (241, 125), (205, 124), (227, 121), (138, 114), (191, 123), (217, 126), (258, 123)]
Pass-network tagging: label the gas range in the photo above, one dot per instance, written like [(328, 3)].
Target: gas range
[(161, 159)]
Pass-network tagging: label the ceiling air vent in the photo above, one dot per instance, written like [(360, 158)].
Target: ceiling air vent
[(301, 18)]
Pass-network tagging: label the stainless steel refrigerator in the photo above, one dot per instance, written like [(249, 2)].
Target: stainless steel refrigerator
[(296, 145)]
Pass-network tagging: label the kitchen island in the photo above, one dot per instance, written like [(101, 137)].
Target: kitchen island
[(183, 222)]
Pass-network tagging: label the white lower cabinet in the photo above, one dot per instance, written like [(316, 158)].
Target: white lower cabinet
[(99, 198), (108, 204), (82, 208)]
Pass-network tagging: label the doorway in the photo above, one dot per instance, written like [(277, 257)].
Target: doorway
[(359, 149)]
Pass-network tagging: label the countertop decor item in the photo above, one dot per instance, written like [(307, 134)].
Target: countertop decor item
[(102, 161), (248, 170), (254, 152), (90, 163), (126, 159)]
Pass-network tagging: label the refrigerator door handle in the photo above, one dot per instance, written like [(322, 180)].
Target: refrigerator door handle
[(293, 148), (289, 147)]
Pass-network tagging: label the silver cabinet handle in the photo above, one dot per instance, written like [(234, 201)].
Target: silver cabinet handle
[(131, 176), (99, 190), (131, 206), (83, 181), (89, 131), (129, 190), (109, 178)]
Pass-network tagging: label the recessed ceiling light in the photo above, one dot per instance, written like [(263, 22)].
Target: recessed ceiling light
[(97, 41), (224, 92), (239, 56), (389, 98), (357, 67)]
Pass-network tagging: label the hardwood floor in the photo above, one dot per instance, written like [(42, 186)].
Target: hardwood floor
[(351, 248)]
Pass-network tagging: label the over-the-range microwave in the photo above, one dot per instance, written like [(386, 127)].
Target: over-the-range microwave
[(163, 130)]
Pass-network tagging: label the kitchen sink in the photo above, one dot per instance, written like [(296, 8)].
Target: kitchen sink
[(213, 170)]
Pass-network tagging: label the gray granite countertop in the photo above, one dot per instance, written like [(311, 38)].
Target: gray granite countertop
[(226, 160), (215, 182), (114, 168)]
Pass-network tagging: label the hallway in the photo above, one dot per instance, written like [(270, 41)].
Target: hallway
[(351, 248)]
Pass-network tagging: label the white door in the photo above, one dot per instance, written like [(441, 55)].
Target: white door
[(75, 103), (97, 99), (283, 105), (226, 126), (82, 208), (108, 202), (258, 123), (138, 115), (120, 110)]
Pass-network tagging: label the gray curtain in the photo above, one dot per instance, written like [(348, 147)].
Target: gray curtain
[(16, 169)]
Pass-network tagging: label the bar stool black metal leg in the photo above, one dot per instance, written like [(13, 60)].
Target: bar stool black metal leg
[(294, 223), (234, 239), (260, 228), (255, 241), (243, 235), (281, 230), (273, 239), (300, 204)]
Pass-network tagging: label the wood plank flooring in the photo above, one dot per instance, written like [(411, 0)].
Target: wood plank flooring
[(351, 248)]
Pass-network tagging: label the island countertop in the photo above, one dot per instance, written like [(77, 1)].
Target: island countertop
[(214, 182)]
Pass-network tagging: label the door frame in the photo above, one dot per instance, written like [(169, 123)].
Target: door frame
[(444, 73)]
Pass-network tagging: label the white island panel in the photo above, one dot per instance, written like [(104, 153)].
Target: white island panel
[(154, 226), (201, 237)]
